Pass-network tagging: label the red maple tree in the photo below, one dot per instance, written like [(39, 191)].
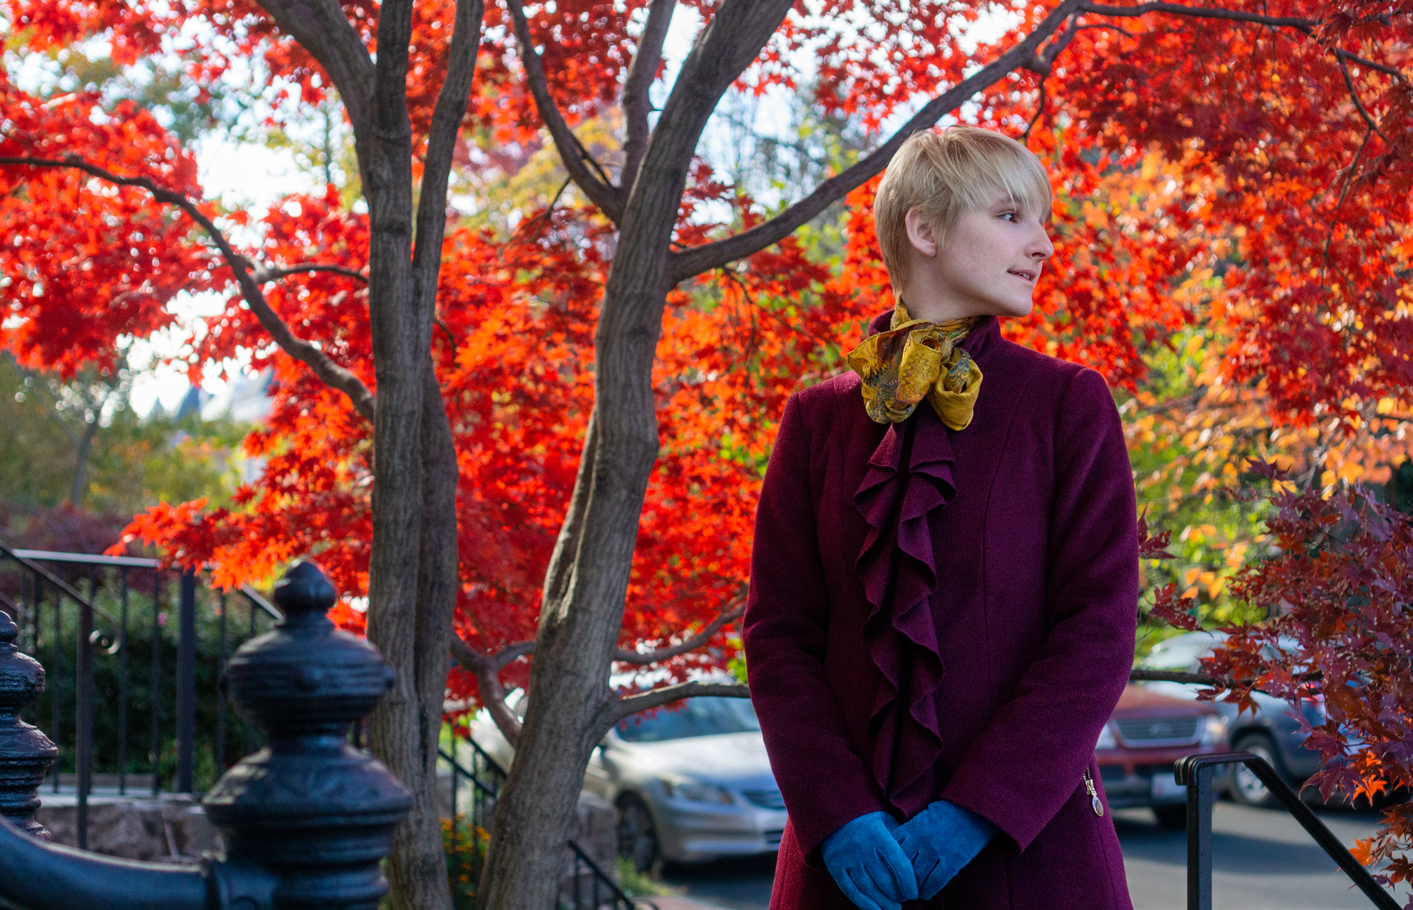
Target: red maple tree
[(558, 433)]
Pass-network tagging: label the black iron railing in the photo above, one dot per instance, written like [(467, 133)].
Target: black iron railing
[(307, 822), (1195, 772), (588, 888), (88, 642), (469, 824)]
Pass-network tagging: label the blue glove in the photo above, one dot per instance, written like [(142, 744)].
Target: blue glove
[(939, 841), (868, 864)]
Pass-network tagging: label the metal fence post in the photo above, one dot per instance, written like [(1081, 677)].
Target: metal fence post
[(1195, 773), (56, 712), (186, 684), (123, 671), (311, 808), (154, 691), (83, 709), (1199, 839), (25, 752)]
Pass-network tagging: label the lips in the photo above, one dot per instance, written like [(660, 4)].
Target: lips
[(1024, 273)]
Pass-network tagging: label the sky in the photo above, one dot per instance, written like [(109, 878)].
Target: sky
[(241, 175)]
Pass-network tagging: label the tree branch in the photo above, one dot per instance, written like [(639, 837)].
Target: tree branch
[(627, 705), (323, 30), (1043, 61), (1176, 676), (1202, 679), (636, 101), (1369, 64), (1039, 110), (332, 374), (581, 166), (447, 116), (1198, 12), (696, 260), (1305, 26), (263, 275), (643, 658), (1359, 104), (486, 668)]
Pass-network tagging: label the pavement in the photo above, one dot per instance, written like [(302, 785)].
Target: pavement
[(1263, 860), (675, 903)]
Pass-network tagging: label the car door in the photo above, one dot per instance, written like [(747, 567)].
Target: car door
[(600, 777)]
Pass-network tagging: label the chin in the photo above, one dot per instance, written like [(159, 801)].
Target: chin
[(1024, 309)]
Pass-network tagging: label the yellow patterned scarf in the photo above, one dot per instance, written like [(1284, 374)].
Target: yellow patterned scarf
[(913, 360)]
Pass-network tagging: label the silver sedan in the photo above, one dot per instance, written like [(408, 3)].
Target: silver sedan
[(690, 782)]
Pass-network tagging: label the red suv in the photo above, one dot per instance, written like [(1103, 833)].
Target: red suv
[(1137, 748)]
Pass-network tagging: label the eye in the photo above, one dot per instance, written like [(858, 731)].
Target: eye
[(1010, 215)]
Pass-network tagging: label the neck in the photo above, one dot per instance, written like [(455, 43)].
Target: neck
[(934, 307)]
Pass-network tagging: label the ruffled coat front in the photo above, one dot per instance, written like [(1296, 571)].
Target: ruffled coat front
[(948, 614)]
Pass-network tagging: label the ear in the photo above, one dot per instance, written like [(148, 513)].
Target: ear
[(921, 233)]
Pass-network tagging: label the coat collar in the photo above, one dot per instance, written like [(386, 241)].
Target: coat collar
[(986, 333)]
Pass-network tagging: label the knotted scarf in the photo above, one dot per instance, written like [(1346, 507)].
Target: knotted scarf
[(916, 359)]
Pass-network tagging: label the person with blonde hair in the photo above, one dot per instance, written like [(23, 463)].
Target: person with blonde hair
[(944, 579)]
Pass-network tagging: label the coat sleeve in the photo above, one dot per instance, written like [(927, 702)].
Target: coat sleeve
[(823, 782), (1031, 758)]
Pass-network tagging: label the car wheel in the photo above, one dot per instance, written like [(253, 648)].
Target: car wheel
[(637, 838), (1246, 787), (1173, 817)]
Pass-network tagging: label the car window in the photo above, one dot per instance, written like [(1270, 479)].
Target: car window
[(706, 716), (1180, 653)]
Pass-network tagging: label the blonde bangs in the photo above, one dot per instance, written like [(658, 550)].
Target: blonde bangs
[(1023, 179)]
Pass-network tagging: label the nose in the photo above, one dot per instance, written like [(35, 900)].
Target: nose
[(1040, 248)]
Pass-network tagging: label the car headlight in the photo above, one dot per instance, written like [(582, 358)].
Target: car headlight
[(694, 791), (1214, 730), (1106, 739)]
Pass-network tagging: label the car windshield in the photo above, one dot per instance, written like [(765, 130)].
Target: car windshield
[(1180, 653), (705, 716)]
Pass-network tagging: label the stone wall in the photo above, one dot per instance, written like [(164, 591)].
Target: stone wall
[(169, 828), (172, 828)]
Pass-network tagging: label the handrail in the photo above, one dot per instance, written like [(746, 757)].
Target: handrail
[(265, 606), (19, 557), (1195, 772), (134, 562), (461, 769), (110, 637), (601, 878), (90, 559), (43, 876), (485, 756), (301, 823)]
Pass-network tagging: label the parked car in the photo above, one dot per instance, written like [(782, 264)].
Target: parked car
[(690, 783), (1137, 747), (1272, 732)]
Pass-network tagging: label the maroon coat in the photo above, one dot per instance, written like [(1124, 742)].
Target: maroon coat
[(941, 614)]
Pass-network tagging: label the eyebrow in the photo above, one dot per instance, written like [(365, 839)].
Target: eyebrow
[(1006, 200)]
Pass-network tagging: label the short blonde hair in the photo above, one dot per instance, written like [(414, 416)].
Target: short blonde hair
[(945, 173)]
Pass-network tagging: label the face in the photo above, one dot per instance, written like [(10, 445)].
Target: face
[(987, 265)]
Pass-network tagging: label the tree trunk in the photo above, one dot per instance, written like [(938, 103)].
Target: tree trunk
[(81, 455), (586, 584), (570, 702), (409, 431), (417, 868)]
